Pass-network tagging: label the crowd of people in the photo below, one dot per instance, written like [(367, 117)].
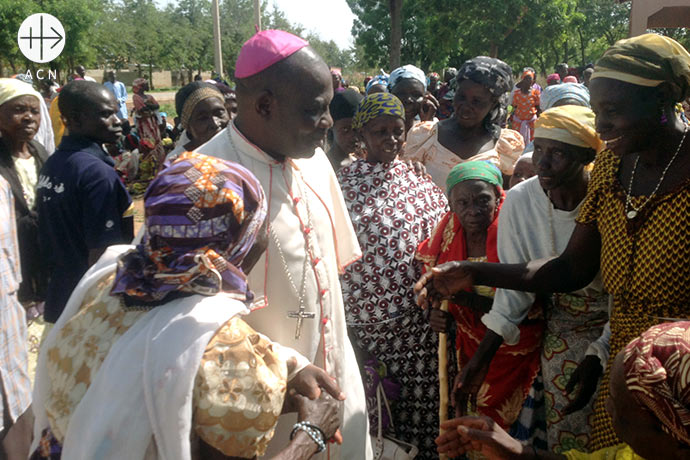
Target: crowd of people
[(326, 271)]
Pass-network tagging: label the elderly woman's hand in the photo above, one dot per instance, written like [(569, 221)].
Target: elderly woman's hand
[(428, 108), (480, 434), (442, 282), (324, 412), (441, 321)]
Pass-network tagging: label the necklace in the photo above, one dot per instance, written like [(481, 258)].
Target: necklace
[(633, 211)]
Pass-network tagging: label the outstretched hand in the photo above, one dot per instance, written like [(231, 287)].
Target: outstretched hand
[(442, 282), (311, 380), (480, 434), (467, 385), (586, 377)]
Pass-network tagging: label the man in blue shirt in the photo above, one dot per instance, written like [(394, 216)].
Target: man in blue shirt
[(120, 91), (83, 207)]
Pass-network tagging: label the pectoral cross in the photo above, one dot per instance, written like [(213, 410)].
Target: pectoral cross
[(300, 314)]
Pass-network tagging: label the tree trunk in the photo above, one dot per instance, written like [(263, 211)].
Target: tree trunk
[(395, 7), (151, 75), (494, 50), (582, 48)]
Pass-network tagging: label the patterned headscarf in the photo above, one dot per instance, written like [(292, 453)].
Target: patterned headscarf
[(555, 93), (554, 77), (529, 72), (203, 92), (474, 170), (496, 76), (375, 105), (202, 218), (657, 373), (647, 60), (405, 72), (377, 80), (137, 84), (571, 124)]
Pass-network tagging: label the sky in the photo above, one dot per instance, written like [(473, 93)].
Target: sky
[(328, 19)]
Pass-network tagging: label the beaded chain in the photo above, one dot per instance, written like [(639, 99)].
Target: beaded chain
[(314, 432)]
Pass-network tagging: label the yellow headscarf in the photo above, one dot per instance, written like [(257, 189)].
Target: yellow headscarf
[(647, 60), (571, 124), (11, 88)]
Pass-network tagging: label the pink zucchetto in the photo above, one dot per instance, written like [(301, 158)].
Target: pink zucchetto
[(264, 49)]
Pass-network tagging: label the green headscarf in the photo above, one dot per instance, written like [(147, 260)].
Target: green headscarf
[(474, 170)]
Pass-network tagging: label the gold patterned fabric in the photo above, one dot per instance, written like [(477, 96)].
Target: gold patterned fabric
[(645, 265), (238, 392)]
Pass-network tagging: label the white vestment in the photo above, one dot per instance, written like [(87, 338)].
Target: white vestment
[(304, 199)]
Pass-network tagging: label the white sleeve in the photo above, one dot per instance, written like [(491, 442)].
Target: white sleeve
[(287, 353), (600, 347), (510, 307)]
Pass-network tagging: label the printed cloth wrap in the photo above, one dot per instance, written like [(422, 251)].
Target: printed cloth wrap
[(203, 215), (657, 372)]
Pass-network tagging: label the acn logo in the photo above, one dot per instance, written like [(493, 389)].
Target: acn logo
[(41, 37)]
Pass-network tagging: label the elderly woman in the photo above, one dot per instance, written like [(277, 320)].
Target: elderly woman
[(147, 123), (648, 405), (408, 83), (536, 222), (468, 232), (474, 131), (21, 159), (392, 211), (632, 223), (203, 114), (167, 315)]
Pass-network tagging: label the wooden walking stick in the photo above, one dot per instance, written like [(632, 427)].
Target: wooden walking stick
[(443, 376)]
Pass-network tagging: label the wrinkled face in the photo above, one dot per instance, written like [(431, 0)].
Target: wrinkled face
[(475, 203), (635, 425), (383, 138), (472, 103), (344, 136), (208, 118), (98, 120), (20, 118), (524, 169), (556, 163), (627, 116), (411, 93), (301, 119)]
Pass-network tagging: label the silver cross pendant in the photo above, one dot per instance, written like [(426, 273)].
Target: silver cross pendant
[(300, 315)]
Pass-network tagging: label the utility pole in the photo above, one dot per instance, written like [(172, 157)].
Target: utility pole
[(217, 54), (257, 15)]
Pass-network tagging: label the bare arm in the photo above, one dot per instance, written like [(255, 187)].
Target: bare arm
[(572, 270)]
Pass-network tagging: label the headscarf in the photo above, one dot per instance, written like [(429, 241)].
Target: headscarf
[(497, 77), (405, 72), (264, 49), (375, 105), (570, 79), (474, 170), (202, 218), (555, 93), (647, 60), (377, 80), (11, 88), (344, 104), (137, 84), (529, 72), (571, 124), (553, 77), (203, 92), (657, 373)]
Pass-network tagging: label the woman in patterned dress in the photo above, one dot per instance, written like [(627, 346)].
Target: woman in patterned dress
[(634, 220), (469, 232), (392, 211), (536, 222), (525, 102), (166, 315), (475, 130)]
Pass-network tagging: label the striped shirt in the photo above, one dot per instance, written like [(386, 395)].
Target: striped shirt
[(14, 364)]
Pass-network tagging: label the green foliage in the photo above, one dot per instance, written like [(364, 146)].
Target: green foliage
[(539, 33)]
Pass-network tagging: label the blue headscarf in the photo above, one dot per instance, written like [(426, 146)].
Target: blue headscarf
[(555, 93), (404, 72), (377, 80)]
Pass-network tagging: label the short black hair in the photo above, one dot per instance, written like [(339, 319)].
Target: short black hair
[(78, 94)]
